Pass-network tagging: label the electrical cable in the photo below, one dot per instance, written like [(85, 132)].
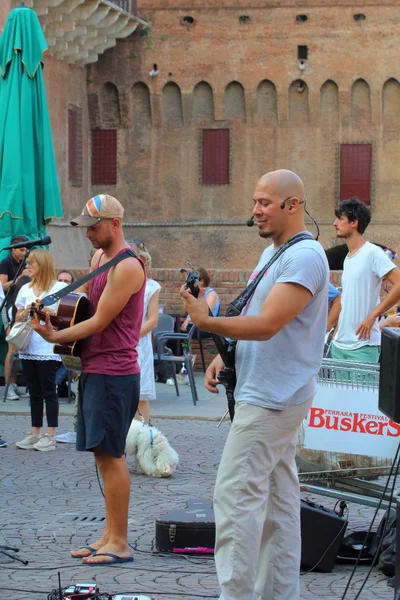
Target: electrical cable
[(99, 482), (104, 595), (315, 223), (130, 567), (382, 536), (396, 460)]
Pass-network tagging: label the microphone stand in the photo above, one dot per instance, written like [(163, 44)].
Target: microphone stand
[(21, 266), (5, 549)]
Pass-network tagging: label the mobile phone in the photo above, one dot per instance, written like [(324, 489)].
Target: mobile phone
[(398, 309)]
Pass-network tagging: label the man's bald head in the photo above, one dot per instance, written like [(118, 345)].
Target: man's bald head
[(283, 183)]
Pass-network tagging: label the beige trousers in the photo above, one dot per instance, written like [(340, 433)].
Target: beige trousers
[(257, 505)]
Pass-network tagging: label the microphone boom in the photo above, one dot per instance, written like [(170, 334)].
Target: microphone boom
[(44, 241)]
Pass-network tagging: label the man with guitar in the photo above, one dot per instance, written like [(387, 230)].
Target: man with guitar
[(280, 334), (110, 379)]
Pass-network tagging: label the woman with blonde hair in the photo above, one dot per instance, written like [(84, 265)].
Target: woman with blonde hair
[(145, 347), (39, 363)]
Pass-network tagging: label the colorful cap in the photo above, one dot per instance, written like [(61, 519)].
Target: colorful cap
[(100, 207)]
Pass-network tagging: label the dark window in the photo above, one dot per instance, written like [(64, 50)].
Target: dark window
[(75, 145), (104, 157), (355, 171), (244, 19), (188, 20), (215, 157), (302, 52), (359, 17), (301, 18)]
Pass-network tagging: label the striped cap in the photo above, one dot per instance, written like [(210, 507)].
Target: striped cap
[(97, 208)]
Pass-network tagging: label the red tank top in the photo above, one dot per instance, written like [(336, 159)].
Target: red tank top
[(113, 350)]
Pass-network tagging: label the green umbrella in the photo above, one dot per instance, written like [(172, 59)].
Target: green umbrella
[(29, 190)]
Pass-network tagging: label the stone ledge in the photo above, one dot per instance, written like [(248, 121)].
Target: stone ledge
[(78, 31)]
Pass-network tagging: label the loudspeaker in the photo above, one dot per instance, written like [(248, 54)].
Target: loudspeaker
[(389, 377), (322, 532)]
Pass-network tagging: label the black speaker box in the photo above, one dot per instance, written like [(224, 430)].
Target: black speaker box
[(389, 377), (322, 532)]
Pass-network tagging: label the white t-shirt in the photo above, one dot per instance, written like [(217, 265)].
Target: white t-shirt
[(280, 372), (38, 348), (361, 285)]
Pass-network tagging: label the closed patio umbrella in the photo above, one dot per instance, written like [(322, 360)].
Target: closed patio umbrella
[(29, 190)]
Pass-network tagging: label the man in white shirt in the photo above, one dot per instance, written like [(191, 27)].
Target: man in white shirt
[(358, 337)]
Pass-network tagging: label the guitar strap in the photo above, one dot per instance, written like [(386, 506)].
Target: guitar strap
[(236, 306), (53, 298)]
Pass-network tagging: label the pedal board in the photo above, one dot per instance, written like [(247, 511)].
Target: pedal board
[(130, 597)]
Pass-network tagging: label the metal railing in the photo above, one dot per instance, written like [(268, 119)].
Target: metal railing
[(128, 5)]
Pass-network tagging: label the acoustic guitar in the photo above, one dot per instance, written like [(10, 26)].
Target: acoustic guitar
[(71, 309)]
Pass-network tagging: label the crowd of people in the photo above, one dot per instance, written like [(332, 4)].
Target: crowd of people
[(279, 340)]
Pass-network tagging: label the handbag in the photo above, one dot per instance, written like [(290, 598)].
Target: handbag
[(20, 334)]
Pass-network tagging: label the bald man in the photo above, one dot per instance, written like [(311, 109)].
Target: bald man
[(280, 337)]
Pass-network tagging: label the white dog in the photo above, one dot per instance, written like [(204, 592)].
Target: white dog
[(154, 455)]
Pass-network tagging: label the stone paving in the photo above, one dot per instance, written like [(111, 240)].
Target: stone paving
[(51, 503)]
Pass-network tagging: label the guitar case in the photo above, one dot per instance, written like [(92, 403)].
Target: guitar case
[(189, 530)]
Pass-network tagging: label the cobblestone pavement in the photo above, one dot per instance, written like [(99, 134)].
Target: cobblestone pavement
[(51, 503)]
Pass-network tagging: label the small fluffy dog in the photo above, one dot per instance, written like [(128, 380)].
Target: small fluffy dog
[(154, 455)]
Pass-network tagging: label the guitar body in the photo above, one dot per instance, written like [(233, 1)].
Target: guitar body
[(72, 309)]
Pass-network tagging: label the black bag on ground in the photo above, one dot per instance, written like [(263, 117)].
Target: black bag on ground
[(187, 530), (387, 533)]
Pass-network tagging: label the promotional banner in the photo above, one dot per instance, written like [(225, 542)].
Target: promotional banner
[(349, 421)]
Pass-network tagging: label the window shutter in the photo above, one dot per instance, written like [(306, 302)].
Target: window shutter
[(356, 171), (215, 157), (104, 157)]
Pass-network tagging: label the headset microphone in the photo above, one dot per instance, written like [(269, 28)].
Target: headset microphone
[(250, 222)]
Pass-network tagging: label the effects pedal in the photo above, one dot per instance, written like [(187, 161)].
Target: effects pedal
[(82, 591), (130, 597)]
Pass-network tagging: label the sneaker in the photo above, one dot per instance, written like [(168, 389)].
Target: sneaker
[(28, 442), (3, 444), (45, 443), (23, 393), (16, 390), (11, 394), (66, 438)]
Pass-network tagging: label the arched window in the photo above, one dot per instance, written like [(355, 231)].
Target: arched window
[(203, 102), (329, 104), (360, 102), (172, 105), (141, 105), (391, 104), (298, 101), (110, 109), (235, 106), (266, 104)]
